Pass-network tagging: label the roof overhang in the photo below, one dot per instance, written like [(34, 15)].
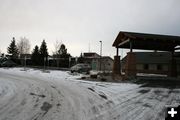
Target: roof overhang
[(146, 41)]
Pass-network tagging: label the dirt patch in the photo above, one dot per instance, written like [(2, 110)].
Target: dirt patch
[(46, 106), (143, 91), (101, 85), (53, 86), (103, 96), (157, 92), (147, 105), (138, 102), (37, 100), (37, 95), (58, 105), (91, 89)]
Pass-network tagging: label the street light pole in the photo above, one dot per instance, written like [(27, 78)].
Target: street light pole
[(47, 62), (100, 54), (69, 61), (25, 63), (44, 62)]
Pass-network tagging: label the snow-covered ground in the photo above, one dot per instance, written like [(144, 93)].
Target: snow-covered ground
[(58, 95)]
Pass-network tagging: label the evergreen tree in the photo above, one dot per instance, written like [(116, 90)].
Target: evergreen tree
[(43, 52), (43, 49), (12, 49), (35, 56), (81, 59)]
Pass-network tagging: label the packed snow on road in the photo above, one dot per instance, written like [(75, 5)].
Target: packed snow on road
[(58, 95)]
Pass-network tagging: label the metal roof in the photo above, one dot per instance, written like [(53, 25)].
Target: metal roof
[(146, 41)]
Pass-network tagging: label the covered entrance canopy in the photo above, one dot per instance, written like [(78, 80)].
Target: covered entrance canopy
[(146, 41), (132, 40)]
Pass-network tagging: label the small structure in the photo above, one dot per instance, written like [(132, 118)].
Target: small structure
[(131, 40), (94, 60), (25, 59), (91, 55), (152, 62)]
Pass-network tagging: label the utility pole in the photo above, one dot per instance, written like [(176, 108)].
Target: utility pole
[(100, 54), (25, 63), (47, 62), (44, 62), (69, 61)]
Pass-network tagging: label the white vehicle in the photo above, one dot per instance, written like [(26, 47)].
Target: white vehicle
[(81, 68)]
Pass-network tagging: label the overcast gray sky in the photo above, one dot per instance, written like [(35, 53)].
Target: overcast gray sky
[(79, 22)]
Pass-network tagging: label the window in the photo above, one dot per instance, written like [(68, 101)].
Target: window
[(146, 66), (159, 67)]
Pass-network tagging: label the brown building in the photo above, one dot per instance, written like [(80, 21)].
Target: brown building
[(153, 62), (155, 42)]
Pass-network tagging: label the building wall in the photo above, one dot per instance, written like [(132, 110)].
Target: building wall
[(178, 67), (106, 64), (139, 66), (152, 68), (165, 67), (178, 70), (151, 63)]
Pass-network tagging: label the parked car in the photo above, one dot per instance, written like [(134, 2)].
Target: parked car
[(81, 68), (8, 63), (3, 59)]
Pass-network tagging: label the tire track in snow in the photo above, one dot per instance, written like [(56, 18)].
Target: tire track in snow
[(22, 99), (21, 102)]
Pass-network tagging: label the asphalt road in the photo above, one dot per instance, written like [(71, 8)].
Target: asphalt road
[(31, 97)]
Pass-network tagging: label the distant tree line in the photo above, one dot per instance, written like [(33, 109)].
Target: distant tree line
[(39, 55)]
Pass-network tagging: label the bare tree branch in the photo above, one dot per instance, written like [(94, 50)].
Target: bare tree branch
[(24, 46), (57, 46)]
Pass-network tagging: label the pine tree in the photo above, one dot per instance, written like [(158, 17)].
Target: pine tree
[(43, 52), (35, 56), (12, 49), (43, 49), (81, 59)]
